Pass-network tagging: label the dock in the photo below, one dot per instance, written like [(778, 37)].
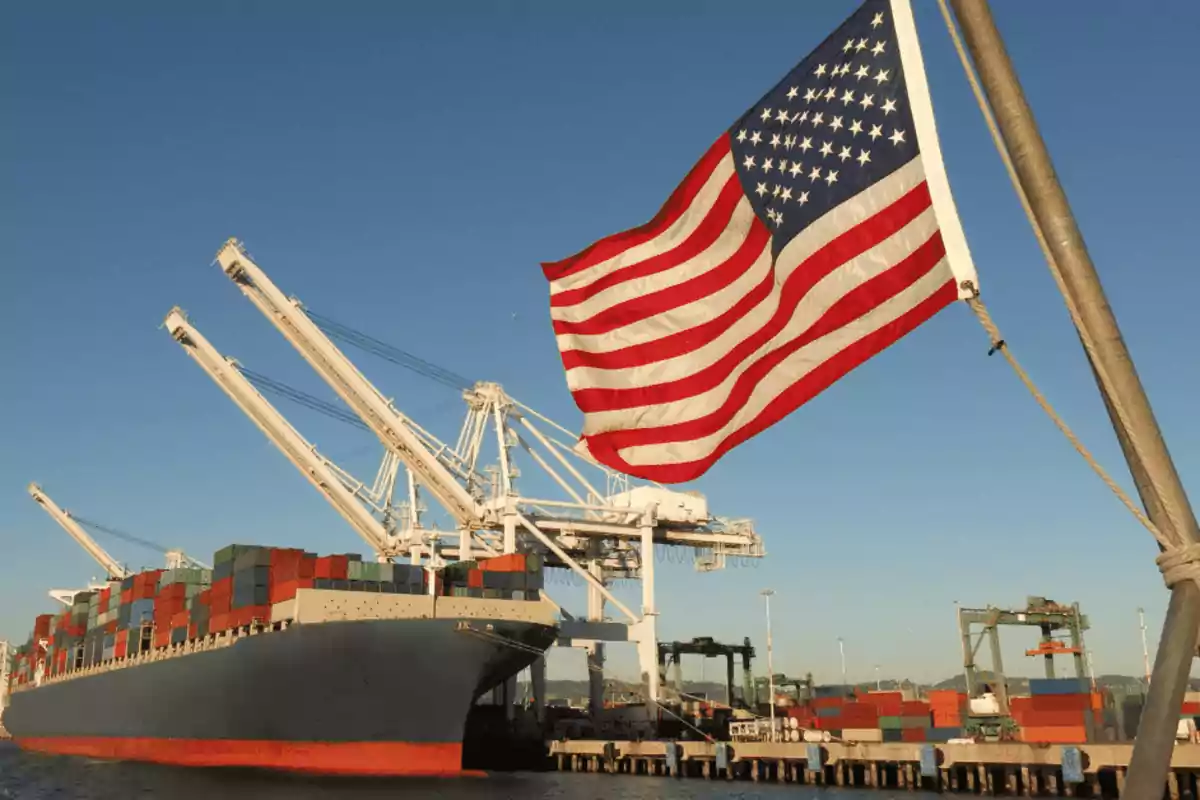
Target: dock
[(1001, 768)]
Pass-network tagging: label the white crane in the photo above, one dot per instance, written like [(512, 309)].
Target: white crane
[(601, 534), (112, 568), (329, 480), (397, 432)]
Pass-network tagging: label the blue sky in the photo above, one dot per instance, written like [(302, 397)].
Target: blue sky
[(404, 168)]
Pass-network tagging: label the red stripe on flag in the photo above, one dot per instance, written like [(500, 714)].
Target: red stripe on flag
[(671, 211), (674, 344), (854, 304), (844, 248), (803, 390), (671, 297), (714, 225)]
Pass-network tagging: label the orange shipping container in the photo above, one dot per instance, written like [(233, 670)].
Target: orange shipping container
[(513, 562), (1072, 734)]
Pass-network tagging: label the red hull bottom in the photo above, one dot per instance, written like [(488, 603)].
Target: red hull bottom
[(327, 758)]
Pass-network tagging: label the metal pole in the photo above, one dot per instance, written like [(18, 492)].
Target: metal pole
[(1158, 483), (766, 593), (842, 652), (878, 681)]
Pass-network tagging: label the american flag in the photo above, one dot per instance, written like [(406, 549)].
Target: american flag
[(815, 232)]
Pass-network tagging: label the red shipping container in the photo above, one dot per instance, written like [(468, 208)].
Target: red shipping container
[(475, 579), (281, 556), (221, 604), (126, 597), (1020, 703), (947, 699), (218, 622), (119, 649), (193, 630), (110, 627), (889, 704), (828, 702), (282, 592), (41, 626), (912, 734), (324, 568), (827, 723), (1060, 702), (914, 708), (179, 619), (339, 567), (1050, 719), (860, 715)]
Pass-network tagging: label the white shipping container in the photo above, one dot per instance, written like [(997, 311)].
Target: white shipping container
[(862, 734)]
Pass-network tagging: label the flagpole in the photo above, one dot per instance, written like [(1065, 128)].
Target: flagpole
[(1154, 474)]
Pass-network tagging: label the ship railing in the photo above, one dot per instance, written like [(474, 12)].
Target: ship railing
[(213, 641)]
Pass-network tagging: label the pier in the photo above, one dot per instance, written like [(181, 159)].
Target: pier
[(1002, 768)]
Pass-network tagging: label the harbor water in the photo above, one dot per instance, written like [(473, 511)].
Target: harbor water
[(25, 776)]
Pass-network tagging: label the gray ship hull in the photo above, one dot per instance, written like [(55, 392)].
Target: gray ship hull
[(380, 697)]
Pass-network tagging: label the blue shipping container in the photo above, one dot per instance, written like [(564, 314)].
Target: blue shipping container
[(1043, 686), (942, 734)]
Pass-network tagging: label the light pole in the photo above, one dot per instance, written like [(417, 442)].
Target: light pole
[(878, 682), (842, 653), (1145, 649), (766, 593)]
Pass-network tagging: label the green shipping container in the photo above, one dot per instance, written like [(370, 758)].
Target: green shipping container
[(891, 723)]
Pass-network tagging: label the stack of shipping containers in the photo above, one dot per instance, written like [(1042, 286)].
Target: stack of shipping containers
[(948, 708), (1056, 710), (158, 609)]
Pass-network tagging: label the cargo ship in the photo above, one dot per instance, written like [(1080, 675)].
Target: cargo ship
[(280, 659)]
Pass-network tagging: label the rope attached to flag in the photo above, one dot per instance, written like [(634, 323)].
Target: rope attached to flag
[(1171, 572), (1000, 346)]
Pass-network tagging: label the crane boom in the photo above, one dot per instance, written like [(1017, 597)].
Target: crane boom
[(385, 421), (76, 532), (295, 447)]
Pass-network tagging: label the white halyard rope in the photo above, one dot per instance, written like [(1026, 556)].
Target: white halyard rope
[(1177, 563)]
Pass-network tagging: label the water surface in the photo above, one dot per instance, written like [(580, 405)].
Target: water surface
[(29, 776)]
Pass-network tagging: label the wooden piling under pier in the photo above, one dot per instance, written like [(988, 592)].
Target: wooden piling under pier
[(1002, 768)]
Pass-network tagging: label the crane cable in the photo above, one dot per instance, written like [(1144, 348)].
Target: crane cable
[(389, 352), (264, 383), (128, 537)]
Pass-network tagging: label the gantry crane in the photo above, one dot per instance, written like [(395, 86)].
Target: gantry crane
[(112, 568), (1039, 612), (319, 471), (600, 534)]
